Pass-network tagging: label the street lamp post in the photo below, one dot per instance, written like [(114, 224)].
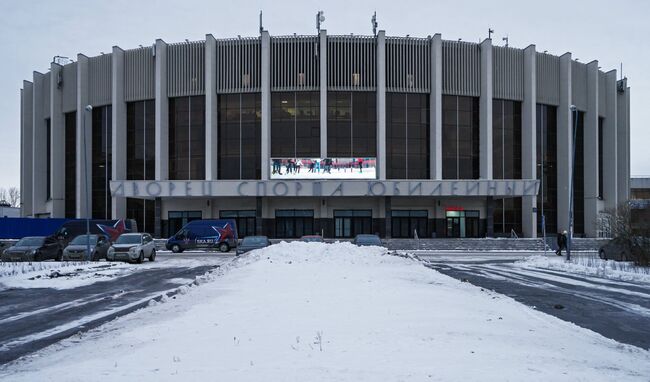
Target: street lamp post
[(574, 112), (87, 109)]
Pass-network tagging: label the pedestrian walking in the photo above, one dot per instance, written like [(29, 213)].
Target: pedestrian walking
[(561, 243)]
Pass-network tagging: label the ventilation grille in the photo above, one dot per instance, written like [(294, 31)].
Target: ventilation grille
[(579, 85), (69, 90), (548, 79), (408, 65), (186, 69), (100, 80), (239, 65), (46, 94), (351, 63), (139, 74), (461, 68), (508, 73), (295, 63), (602, 94)]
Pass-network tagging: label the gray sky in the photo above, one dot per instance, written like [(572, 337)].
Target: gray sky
[(32, 32)]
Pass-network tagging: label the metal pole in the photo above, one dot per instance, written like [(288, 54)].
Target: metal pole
[(88, 108), (574, 111), (543, 144)]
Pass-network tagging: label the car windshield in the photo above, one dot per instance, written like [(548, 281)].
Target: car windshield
[(30, 242), (128, 239), (373, 240), (254, 240), (312, 238), (81, 239)]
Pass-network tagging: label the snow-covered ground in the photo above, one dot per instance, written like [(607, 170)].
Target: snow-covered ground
[(324, 312), (589, 266), (67, 275)]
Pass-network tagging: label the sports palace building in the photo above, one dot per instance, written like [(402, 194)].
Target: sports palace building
[(329, 134)]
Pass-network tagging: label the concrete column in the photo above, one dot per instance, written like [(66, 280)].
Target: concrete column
[(623, 140), (162, 112), (591, 151), (388, 206), (485, 110), (564, 143), (435, 109), (26, 149), (266, 104), (610, 143), (528, 140), (57, 143), (84, 147), (39, 141), (323, 93), (211, 109), (259, 205), (157, 220), (381, 105), (118, 155), (489, 217)]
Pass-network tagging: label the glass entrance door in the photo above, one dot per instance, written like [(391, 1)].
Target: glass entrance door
[(349, 223), (453, 226), (462, 223)]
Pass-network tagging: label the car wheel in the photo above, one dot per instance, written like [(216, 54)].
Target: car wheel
[(141, 258), (38, 257), (224, 247), (153, 255), (602, 255), (176, 248), (59, 256)]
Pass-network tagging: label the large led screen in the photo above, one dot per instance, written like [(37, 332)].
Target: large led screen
[(326, 168)]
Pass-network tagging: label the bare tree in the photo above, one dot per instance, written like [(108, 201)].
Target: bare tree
[(4, 195), (14, 196), (621, 223)]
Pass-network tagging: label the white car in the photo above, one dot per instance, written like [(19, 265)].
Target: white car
[(132, 247)]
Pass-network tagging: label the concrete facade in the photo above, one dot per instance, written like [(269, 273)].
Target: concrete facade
[(598, 95)]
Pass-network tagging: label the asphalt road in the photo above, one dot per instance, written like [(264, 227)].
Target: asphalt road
[(616, 309), (33, 318)]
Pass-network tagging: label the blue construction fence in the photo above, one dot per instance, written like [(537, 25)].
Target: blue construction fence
[(17, 228)]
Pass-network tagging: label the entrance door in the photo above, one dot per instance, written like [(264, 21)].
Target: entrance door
[(453, 226), (349, 223), (462, 223)]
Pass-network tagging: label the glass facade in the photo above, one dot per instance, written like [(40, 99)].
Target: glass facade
[(460, 137), (506, 139), (48, 160), (187, 138), (295, 124), (143, 211), (507, 216), (140, 140), (546, 131), (600, 157), (351, 124), (177, 219), (245, 220), (294, 223), (101, 162), (349, 223), (579, 175), (404, 223), (239, 130), (407, 136), (70, 120), (461, 223)]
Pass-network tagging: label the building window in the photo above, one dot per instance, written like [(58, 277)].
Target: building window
[(240, 125), (143, 211), (70, 120), (404, 223), (351, 124), (507, 216), (48, 160), (460, 137), (349, 223), (177, 219), (140, 140), (187, 138), (101, 162), (506, 139), (295, 125), (407, 136), (294, 223), (547, 168), (579, 175), (245, 220), (600, 158)]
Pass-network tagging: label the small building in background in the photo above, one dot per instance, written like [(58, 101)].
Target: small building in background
[(640, 204), (7, 211)]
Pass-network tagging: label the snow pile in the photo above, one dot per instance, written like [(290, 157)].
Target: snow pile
[(589, 266), (20, 268), (324, 312)]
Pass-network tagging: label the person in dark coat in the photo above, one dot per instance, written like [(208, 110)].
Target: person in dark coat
[(561, 243)]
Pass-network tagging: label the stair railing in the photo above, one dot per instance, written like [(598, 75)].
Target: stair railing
[(513, 234)]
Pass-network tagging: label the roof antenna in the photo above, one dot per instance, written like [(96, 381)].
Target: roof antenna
[(261, 25), (490, 31), (506, 40), (319, 19), (373, 20), (621, 70)]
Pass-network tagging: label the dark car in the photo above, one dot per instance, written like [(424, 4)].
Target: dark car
[(252, 242), (110, 228), (211, 234), (312, 239), (77, 249), (33, 248), (365, 239), (621, 249)]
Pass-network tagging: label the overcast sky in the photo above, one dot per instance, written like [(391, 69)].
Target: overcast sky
[(32, 32)]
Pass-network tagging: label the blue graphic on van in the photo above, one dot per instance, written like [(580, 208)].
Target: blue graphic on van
[(218, 234)]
